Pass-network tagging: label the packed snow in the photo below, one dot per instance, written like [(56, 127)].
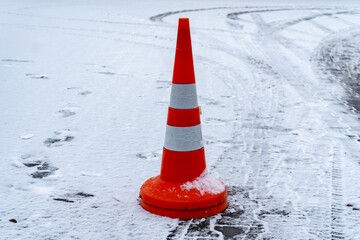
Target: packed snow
[(205, 183), (84, 91)]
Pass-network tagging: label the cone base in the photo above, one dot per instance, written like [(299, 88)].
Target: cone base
[(185, 214), (172, 199)]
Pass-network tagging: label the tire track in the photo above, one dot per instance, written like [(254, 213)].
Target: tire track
[(338, 56), (79, 19), (306, 90), (235, 15), (337, 203), (232, 16), (307, 18), (337, 59), (161, 16)]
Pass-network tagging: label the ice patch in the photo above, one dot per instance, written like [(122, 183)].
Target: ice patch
[(27, 136), (205, 183)]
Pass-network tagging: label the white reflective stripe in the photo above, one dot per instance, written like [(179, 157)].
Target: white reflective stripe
[(183, 139), (183, 96)]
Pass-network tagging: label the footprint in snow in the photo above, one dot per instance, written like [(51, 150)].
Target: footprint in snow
[(59, 139), (107, 73), (66, 113), (43, 168), (81, 92), (72, 197), (85, 93), (37, 76)]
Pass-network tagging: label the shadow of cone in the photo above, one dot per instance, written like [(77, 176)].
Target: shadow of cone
[(184, 189)]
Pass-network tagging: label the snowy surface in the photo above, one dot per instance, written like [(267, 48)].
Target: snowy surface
[(84, 90)]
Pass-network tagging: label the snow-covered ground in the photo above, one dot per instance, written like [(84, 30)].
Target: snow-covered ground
[(84, 90)]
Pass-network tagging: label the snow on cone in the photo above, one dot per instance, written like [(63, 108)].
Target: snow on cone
[(184, 189)]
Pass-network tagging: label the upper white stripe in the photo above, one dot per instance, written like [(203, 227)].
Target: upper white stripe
[(183, 139), (183, 96)]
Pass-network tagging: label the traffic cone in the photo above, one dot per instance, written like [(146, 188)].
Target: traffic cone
[(184, 189)]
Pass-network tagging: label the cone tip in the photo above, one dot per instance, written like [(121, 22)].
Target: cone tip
[(183, 21)]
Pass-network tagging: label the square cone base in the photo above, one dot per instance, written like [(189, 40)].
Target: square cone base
[(173, 200)]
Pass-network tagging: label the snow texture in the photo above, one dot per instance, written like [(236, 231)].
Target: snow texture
[(205, 183), (84, 92)]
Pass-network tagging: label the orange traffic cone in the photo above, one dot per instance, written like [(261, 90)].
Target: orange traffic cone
[(184, 189)]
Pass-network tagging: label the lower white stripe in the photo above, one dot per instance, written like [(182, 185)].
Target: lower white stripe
[(183, 139)]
